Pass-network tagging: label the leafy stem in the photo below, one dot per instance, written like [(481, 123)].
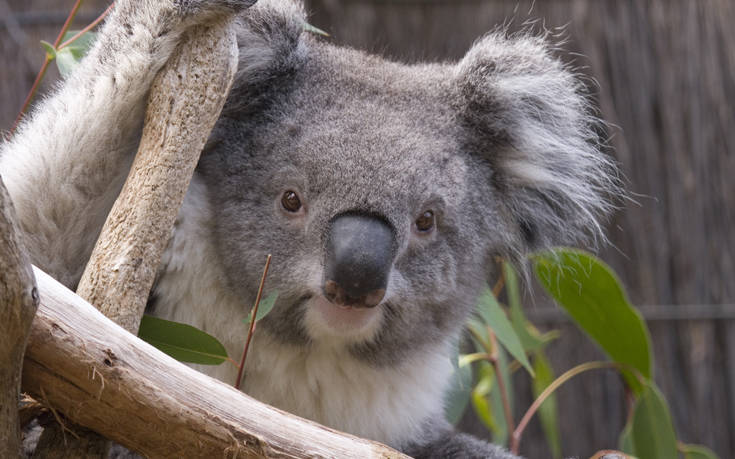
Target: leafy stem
[(48, 58), (490, 347), (89, 27), (515, 439)]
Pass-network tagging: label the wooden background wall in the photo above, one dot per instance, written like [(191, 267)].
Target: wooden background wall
[(665, 73)]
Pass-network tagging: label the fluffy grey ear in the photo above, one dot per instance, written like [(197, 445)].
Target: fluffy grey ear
[(269, 36), (525, 115)]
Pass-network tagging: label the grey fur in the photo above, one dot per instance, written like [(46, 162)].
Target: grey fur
[(445, 443), (501, 147)]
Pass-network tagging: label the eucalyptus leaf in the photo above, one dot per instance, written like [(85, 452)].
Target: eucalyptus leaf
[(315, 30), (82, 44), (495, 317), (68, 57), (652, 429), (625, 442), (66, 62), (479, 335), (592, 295), (49, 48), (265, 306), (697, 452), (468, 359), (530, 338), (480, 401), (181, 341)]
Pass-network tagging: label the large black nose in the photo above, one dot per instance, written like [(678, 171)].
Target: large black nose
[(359, 254)]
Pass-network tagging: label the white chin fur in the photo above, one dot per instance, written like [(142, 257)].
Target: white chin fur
[(324, 319)]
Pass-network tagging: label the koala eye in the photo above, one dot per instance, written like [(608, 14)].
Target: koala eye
[(425, 222), (290, 201)]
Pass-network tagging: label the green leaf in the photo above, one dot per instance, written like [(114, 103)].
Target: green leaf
[(315, 30), (468, 359), (511, 285), (495, 317), (81, 45), (479, 335), (49, 48), (265, 306), (66, 62), (530, 338), (652, 430), (625, 442), (480, 401), (548, 411), (460, 386), (697, 452), (182, 342), (592, 295), (68, 57)]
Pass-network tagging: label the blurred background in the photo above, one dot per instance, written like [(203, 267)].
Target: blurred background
[(662, 73)]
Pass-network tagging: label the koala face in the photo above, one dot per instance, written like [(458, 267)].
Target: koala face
[(354, 138)]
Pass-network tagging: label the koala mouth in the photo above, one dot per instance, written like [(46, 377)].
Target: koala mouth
[(325, 317)]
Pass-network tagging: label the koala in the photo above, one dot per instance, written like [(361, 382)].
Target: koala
[(383, 191)]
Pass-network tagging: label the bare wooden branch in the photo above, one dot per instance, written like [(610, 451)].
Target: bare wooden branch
[(18, 303), (185, 102), (106, 379)]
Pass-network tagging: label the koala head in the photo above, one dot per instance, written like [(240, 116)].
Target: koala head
[(384, 191)]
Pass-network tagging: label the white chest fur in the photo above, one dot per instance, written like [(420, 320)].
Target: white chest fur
[(323, 382), (329, 386)]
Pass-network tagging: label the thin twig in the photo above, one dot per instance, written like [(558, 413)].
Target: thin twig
[(44, 68), (91, 26), (569, 374), (31, 93), (67, 23), (252, 323)]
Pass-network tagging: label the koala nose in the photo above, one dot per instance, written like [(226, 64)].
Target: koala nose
[(359, 254)]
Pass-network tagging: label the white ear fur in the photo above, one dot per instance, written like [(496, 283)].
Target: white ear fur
[(527, 117)]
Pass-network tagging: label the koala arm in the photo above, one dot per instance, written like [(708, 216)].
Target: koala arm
[(67, 162), (442, 441)]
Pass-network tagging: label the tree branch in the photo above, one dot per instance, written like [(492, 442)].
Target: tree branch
[(18, 304), (186, 99), (106, 379)]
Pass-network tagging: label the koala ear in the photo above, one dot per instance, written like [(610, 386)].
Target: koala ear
[(525, 116), (269, 36)]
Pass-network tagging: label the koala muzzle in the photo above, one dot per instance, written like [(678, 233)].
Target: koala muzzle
[(359, 255)]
